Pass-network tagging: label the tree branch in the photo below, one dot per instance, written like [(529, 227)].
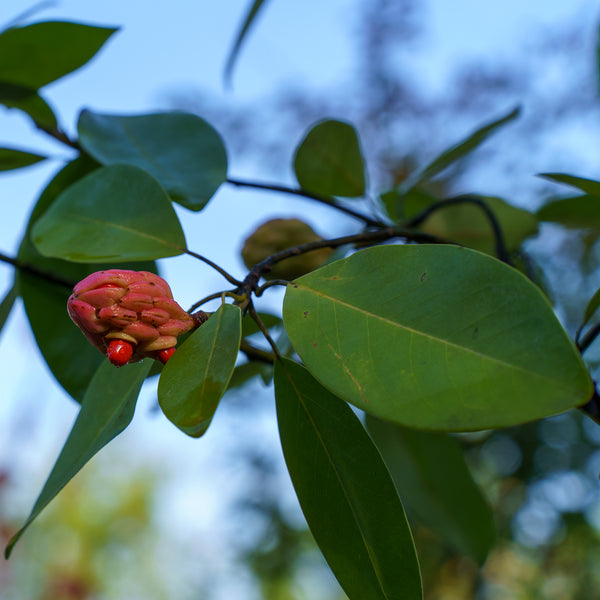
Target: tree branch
[(32, 270), (501, 250), (303, 193)]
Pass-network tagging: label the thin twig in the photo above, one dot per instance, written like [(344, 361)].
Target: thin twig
[(259, 290), (592, 408), (209, 298), (216, 267), (33, 270), (586, 341), (501, 250), (303, 193), (59, 135), (252, 312)]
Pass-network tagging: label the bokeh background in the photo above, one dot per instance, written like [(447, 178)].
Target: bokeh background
[(158, 515)]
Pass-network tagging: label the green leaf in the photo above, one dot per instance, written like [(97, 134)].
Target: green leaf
[(329, 161), (246, 371), (70, 357), (28, 101), (248, 21), (16, 159), (117, 213), (35, 55), (468, 225), (436, 485), (106, 411), (345, 491), (580, 212), (460, 150), (434, 337), (589, 186), (7, 304), (590, 309), (197, 375), (182, 151), (400, 207)]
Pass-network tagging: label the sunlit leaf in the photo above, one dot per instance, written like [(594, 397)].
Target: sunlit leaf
[(34, 55), (436, 485), (28, 101), (434, 337), (241, 36), (468, 225), (106, 411), (197, 375), (460, 150), (580, 212), (345, 490), (329, 161), (117, 213), (182, 151), (16, 159)]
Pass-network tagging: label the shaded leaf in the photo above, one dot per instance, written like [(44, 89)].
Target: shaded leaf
[(35, 55), (246, 371), (400, 207), (182, 151), (197, 375), (434, 337), (117, 213), (249, 326), (590, 309), (579, 212), (589, 186), (460, 150), (329, 161), (468, 225), (7, 304), (69, 355), (241, 36), (106, 411), (345, 490), (30, 102), (16, 159), (436, 485)]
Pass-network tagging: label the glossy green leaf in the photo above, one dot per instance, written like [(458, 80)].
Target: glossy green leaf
[(182, 151), (580, 212), (196, 377), (241, 36), (35, 55), (329, 161), (70, 357), (462, 149), (117, 213), (436, 485), (7, 303), (345, 491), (29, 102), (589, 186), (468, 225), (434, 337), (106, 411), (16, 159)]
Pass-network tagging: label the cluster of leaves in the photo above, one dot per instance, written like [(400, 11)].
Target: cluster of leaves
[(442, 333)]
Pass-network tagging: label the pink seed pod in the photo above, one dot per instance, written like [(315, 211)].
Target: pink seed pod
[(136, 307)]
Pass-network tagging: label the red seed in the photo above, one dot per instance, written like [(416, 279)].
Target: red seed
[(165, 354), (119, 352)]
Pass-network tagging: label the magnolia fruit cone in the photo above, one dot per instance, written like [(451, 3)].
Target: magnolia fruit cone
[(135, 307), (280, 234)]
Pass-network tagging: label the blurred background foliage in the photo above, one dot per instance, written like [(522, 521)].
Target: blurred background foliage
[(101, 538)]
